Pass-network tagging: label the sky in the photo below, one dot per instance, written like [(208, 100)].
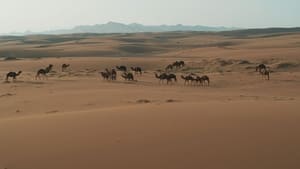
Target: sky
[(41, 15)]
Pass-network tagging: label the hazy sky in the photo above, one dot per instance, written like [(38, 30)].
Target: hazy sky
[(38, 15)]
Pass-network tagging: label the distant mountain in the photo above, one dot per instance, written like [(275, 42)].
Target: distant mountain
[(114, 27)]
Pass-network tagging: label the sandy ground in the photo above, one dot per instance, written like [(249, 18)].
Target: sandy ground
[(76, 120)]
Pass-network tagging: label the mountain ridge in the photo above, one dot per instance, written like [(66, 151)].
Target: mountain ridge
[(115, 27)]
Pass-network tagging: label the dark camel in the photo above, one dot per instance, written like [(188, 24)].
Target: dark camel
[(105, 75), (122, 68), (205, 79), (137, 70), (169, 77), (188, 79), (198, 79), (162, 77), (128, 76), (261, 68), (44, 72), (112, 74), (64, 67), (13, 75), (179, 64)]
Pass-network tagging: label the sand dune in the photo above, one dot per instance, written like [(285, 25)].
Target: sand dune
[(77, 120)]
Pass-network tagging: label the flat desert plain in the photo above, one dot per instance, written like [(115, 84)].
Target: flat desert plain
[(76, 120)]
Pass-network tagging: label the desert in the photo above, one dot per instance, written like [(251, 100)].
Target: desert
[(74, 119)]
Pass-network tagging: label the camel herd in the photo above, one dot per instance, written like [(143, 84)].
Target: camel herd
[(194, 79), (166, 76), (176, 65)]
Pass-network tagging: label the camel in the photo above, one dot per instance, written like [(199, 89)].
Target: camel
[(104, 75), (162, 77), (188, 79), (265, 74), (199, 80), (205, 79), (44, 72), (128, 76), (122, 68), (179, 64), (260, 68), (64, 67), (109, 75), (137, 70), (169, 77), (13, 75)]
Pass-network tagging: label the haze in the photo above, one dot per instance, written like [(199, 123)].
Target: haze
[(40, 15)]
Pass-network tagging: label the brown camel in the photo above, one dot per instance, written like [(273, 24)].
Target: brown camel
[(128, 76), (44, 72), (198, 79), (168, 77), (188, 79), (171, 77), (162, 77), (64, 67), (205, 80), (261, 67), (111, 74), (178, 64), (105, 75), (13, 75)]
